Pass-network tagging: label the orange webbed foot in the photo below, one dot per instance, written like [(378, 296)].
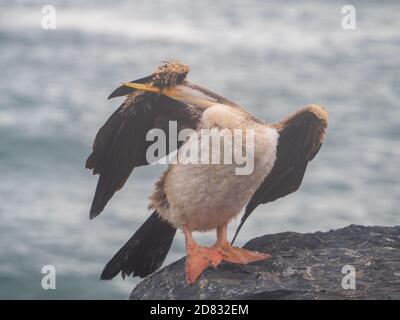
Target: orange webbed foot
[(200, 258), (239, 255)]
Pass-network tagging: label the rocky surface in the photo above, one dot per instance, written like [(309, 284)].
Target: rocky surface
[(303, 266)]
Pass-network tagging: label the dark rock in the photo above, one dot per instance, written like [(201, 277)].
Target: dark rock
[(303, 266)]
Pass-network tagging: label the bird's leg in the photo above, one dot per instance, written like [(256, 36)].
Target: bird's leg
[(235, 254), (198, 258)]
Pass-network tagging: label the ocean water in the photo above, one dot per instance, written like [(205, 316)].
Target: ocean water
[(271, 57)]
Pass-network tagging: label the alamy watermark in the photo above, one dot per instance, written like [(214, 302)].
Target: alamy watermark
[(48, 21), (49, 278), (349, 18), (205, 146), (349, 280)]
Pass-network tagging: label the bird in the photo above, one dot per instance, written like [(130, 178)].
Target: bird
[(194, 197)]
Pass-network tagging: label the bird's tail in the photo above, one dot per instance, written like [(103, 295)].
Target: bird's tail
[(144, 252)]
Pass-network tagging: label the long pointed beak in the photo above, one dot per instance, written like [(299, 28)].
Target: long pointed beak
[(172, 93), (184, 93)]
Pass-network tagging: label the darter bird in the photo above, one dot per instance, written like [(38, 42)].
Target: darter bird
[(192, 196)]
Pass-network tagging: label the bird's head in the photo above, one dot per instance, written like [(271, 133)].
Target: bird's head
[(169, 80)]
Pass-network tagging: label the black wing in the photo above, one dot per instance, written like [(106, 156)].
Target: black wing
[(300, 138), (120, 145)]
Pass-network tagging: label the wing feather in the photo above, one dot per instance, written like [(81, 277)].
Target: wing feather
[(300, 138), (120, 145)]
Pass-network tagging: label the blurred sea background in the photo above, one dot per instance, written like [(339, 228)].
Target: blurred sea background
[(271, 57)]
